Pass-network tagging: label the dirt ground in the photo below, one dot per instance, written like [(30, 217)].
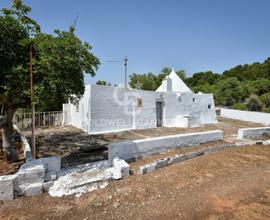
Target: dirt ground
[(77, 147), (232, 184)]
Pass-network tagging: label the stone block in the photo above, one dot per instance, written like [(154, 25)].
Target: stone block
[(122, 165), (147, 168), (161, 162), (32, 189), (209, 150), (47, 186), (7, 187), (215, 149), (115, 173), (50, 176), (177, 158), (194, 154), (52, 164), (30, 173), (267, 142)]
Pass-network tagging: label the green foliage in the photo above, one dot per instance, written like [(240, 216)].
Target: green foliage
[(167, 70), (14, 78), (266, 110), (254, 103), (103, 83), (236, 84), (19, 11), (151, 81), (59, 62), (232, 88), (265, 99), (147, 81), (201, 78), (239, 106), (227, 91)]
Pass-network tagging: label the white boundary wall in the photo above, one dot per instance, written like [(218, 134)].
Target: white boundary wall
[(138, 148), (104, 109), (253, 132), (26, 147), (257, 117)]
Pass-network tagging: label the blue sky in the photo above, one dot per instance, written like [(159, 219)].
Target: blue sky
[(191, 35)]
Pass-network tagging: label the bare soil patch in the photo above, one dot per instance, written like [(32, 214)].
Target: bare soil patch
[(232, 184), (77, 147)]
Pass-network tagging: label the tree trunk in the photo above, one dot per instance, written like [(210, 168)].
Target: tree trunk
[(10, 153)]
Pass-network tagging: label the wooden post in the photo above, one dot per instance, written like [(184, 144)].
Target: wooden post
[(33, 142)]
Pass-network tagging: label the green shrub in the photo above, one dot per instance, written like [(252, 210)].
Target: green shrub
[(267, 110), (254, 103), (265, 98), (239, 106)]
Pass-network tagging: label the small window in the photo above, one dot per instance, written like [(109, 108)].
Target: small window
[(209, 106), (139, 103), (193, 99)]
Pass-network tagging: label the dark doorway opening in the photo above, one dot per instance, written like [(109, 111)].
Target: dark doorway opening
[(159, 113)]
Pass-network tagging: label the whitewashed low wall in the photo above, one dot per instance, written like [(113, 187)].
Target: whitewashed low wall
[(128, 150), (257, 117), (253, 132), (26, 147)]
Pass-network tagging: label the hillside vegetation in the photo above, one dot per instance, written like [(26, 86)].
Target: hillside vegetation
[(244, 87)]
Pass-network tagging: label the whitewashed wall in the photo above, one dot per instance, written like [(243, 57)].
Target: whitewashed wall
[(134, 149), (188, 104), (257, 117), (109, 109), (81, 118), (107, 112), (145, 116), (66, 114)]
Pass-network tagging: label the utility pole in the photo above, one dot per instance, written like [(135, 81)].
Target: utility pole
[(125, 61), (33, 142)]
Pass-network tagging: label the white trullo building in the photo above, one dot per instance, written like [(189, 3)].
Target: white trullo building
[(109, 109)]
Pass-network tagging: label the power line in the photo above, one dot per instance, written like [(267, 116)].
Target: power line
[(125, 61)]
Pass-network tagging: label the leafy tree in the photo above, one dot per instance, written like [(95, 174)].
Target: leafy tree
[(201, 78), (249, 79), (13, 76), (144, 81), (231, 87), (151, 81), (265, 99), (227, 92), (103, 83), (205, 88), (167, 70), (254, 103), (59, 63), (260, 86), (236, 72), (19, 11)]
